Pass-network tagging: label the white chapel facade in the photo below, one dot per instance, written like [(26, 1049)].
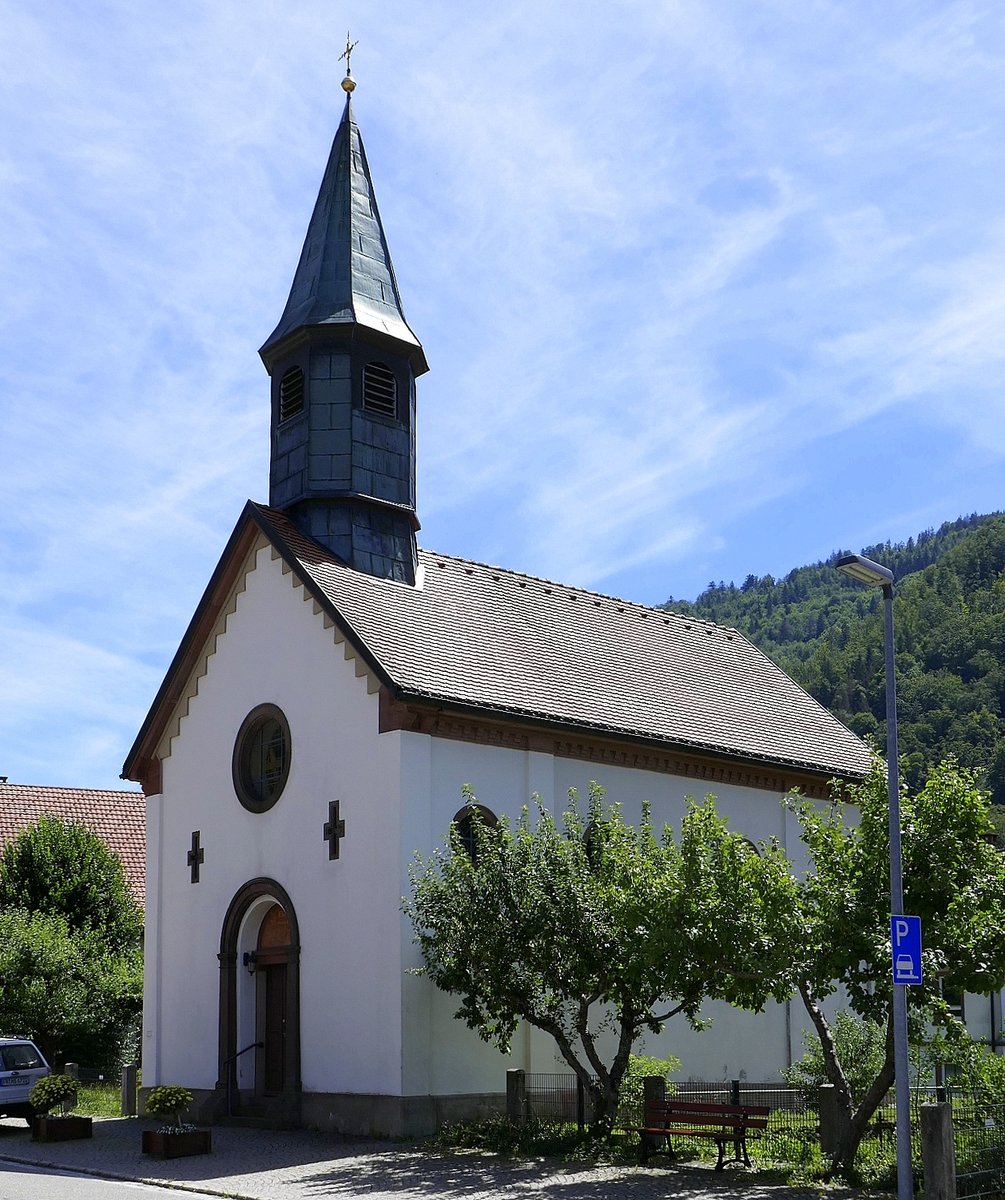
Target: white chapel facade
[(337, 688)]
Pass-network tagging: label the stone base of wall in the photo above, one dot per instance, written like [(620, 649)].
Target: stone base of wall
[(394, 1116), (355, 1114)]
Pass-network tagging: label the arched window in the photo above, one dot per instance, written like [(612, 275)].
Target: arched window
[(291, 393), (592, 840), (466, 821), (380, 393)]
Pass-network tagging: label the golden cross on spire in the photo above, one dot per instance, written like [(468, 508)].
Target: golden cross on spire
[(348, 84)]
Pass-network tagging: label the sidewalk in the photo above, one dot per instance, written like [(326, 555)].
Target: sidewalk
[(283, 1165)]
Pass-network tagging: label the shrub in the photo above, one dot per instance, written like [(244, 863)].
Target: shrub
[(861, 1049), (169, 1100), (51, 1090), (641, 1066)]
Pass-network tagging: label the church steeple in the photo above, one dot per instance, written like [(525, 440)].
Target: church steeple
[(343, 363)]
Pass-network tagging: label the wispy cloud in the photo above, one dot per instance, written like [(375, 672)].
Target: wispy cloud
[(663, 259)]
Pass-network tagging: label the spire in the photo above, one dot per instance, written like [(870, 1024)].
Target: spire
[(345, 275), (343, 363)]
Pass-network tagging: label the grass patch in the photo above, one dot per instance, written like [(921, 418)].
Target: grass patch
[(536, 1139), (99, 1100), (789, 1155)]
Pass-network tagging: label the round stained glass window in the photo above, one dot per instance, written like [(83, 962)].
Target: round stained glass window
[(262, 758)]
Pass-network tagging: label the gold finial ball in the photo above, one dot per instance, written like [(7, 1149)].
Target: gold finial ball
[(348, 84)]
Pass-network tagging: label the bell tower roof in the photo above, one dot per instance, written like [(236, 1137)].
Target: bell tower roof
[(345, 275), (343, 364)]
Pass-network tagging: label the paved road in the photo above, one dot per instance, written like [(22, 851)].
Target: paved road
[(39, 1183), (300, 1165)]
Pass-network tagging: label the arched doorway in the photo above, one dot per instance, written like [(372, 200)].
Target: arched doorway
[(259, 1038)]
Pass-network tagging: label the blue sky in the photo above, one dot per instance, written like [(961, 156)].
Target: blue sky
[(707, 288)]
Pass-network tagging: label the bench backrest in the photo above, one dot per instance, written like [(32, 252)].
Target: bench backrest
[(701, 1112)]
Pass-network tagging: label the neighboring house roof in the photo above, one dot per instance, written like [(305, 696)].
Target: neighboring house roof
[(118, 818), (481, 639)]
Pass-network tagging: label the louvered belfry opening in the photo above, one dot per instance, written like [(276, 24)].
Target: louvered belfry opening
[(291, 393), (379, 390)]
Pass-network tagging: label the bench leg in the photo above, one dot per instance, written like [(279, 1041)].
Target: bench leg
[(739, 1152)]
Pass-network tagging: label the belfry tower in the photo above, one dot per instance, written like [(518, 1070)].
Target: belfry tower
[(343, 364)]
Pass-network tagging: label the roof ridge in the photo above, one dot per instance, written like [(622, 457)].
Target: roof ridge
[(622, 601), (63, 787)]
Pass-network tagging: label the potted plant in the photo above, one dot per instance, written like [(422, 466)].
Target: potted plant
[(51, 1092), (174, 1139)]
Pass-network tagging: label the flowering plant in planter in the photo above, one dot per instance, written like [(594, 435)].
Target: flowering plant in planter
[(53, 1090), (49, 1092), (175, 1139), (169, 1100)]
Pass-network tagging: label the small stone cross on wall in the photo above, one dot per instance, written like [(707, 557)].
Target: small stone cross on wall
[(334, 830), (196, 856)]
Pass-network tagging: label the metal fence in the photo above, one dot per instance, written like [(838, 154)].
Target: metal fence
[(979, 1136), (554, 1098), (793, 1125), (793, 1132)]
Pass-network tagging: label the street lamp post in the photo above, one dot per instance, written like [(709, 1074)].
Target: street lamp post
[(866, 571)]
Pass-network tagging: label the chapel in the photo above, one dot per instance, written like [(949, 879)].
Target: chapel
[(337, 688)]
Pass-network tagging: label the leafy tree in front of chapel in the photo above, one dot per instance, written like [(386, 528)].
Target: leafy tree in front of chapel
[(596, 930), (954, 879)]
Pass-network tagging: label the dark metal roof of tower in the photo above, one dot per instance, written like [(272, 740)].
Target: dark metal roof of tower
[(345, 275)]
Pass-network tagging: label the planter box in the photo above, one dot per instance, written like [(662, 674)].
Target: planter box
[(177, 1145), (60, 1129)]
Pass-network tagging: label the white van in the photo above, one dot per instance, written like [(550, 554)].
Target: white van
[(21, 1064)]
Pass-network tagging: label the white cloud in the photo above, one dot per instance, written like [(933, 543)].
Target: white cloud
[(659, 257)]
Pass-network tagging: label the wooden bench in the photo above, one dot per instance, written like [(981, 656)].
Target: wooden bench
[(725, 1124)]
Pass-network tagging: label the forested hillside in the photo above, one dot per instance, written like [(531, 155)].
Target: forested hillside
[(949, 611)]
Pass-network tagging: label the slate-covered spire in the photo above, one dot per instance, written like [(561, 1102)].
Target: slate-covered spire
[(343, 363), (345, 274)]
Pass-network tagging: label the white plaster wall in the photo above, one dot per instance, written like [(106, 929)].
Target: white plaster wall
[(367, 1026), (277, 650), (441, 1055)]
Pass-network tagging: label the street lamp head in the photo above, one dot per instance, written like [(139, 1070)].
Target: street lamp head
[(857, 566)]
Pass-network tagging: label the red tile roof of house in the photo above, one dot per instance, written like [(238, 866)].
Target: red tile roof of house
[(118, 818)]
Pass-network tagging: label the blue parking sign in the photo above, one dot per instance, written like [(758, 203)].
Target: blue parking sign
[(905, 940)]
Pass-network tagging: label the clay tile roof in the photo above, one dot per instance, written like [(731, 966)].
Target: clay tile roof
[(508, 644), (118, 818)]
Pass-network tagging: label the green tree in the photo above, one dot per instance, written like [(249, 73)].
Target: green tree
[(64, 990), (71, 961), (593, 925), (55, 866), (953, 879)]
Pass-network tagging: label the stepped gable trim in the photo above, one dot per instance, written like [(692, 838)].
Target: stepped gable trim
[(252, 532), (456, 724), (142, 764)]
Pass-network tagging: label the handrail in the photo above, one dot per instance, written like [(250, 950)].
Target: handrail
[(231, 1074)]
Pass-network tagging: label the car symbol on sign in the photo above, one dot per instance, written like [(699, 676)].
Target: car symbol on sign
[(904, 965)]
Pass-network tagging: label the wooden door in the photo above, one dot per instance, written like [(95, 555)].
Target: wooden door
[(273, 959), (274, 1051)]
